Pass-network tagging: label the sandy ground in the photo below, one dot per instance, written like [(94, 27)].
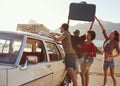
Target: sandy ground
[(96, 73)]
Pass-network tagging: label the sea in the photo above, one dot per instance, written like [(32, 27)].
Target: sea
[(98, 43)]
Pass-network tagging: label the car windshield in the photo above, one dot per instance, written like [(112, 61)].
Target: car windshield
[(9, 47)]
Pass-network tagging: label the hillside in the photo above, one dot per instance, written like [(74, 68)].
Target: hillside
[(109, 26)]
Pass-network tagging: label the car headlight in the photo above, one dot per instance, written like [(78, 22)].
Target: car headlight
[(2, 77)]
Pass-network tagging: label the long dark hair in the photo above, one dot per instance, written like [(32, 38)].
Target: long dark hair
[(116, 36)]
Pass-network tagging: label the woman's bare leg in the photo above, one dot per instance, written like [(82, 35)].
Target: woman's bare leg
[(112, 72), (105, 75), (84, 75), (87, 78), (83, 78)]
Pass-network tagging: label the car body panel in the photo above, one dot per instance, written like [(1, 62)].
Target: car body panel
[(59, 74), (3, 78), (34, 73), (45, 73)]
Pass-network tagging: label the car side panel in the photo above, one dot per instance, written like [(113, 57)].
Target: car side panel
[(42, 81), (37, 74), (3, 78), (59, 72)]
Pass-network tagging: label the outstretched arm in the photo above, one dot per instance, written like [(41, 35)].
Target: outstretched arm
[(103, 30), (68, 20), (60, 38), (91, 26), (100, 23)]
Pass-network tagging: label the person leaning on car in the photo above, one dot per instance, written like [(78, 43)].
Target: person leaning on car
[(70, 55)]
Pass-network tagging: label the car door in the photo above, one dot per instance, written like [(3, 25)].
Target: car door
[(35, 75), (56, 64), (32, 74)]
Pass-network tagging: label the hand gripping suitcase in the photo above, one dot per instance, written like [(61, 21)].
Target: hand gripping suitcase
[(82, 11)]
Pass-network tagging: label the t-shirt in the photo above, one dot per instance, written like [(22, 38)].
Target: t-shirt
[(66, 42), (89, 48), (75, 41)]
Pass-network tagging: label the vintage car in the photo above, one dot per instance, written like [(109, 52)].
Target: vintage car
[(28, 59)]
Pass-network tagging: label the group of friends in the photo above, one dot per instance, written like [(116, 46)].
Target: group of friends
[(80, 50)]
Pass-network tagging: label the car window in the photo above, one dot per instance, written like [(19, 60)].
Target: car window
[(4, 44), (34, 47), (28, 47), (9, 47), (61, 50), (54, 54)]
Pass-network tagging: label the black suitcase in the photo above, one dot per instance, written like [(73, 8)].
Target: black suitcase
[(82, 11)]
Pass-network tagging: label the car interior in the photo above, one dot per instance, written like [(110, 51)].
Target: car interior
[(33, 48)]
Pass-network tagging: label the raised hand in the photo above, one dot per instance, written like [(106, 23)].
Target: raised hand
[(92, 24), (99, 23)]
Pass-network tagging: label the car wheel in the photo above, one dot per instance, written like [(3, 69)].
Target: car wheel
[(66, 81)]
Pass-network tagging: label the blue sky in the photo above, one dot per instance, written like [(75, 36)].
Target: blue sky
[(51, 13)]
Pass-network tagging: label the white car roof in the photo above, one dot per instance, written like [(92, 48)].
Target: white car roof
[(43, 37)]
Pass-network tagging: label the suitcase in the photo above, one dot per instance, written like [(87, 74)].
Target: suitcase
[(82, 11)]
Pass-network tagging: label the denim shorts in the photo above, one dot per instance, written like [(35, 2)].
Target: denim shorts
[(70, 61), (88, 59), (109, 63)]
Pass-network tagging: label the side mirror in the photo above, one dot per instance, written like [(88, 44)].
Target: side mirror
[(24, 66), (30, 60)]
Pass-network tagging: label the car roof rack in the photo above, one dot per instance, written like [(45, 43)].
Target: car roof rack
[(46, 34)]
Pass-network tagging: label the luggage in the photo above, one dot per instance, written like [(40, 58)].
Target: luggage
[(82, 11)]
